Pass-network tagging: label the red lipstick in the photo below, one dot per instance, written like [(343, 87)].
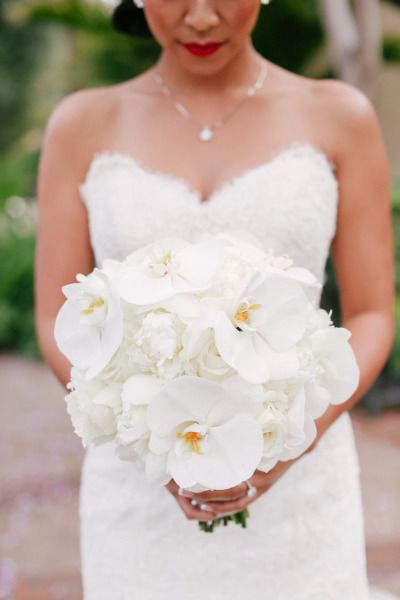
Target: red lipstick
[(203, 49)]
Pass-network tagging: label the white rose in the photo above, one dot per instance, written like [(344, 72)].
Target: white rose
[(210, 364), (274, 427)]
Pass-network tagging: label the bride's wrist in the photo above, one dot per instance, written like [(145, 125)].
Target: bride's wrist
[(325, 421)]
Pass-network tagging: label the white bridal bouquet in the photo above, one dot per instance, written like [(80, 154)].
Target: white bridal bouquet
[(205, 360)]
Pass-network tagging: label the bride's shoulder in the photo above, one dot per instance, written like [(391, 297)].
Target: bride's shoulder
[(343, 100), (344, 112), (341, 113), (77, 115), (345, 104), (90, 103), (81, 109), (83, 120), (351, 121)]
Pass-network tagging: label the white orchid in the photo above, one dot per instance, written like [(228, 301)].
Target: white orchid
[(258, 334), (89, 326), (168, 267), (337, 370), (207, 431), (284, 266)]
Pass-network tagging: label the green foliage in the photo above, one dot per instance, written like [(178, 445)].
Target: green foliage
[(289, 32), (392, 368), (17, 175), (391, 49), (20, 48), (105, 56), (17, 330), (71, 13)]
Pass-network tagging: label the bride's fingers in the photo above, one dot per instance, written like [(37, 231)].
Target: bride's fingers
[(195, 512), (230, 494), (232, 507), (172, 486)]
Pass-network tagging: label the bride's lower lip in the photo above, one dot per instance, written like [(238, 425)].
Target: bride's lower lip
[(202, 49)]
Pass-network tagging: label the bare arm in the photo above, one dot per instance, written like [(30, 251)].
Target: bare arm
[(63, 246), (362, 250)]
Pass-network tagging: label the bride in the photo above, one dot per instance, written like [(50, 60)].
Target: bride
[(215, 137)]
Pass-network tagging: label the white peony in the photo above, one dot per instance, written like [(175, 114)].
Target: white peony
[(89, 326), (93, 407), (207, 432), (132, 427), (158, 344)]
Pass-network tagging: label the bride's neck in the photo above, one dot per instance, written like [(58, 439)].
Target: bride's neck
[(232, 79)]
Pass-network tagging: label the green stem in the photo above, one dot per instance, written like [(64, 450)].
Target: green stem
[(240, 518)]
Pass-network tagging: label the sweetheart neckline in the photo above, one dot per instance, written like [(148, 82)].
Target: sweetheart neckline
[(108, 153)]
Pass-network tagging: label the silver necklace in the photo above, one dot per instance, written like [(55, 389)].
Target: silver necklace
[(207, 131)]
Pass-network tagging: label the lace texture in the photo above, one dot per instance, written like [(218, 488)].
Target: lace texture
[(305, 537)]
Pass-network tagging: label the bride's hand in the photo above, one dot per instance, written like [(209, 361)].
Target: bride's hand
[(191, 511), (235, 499)]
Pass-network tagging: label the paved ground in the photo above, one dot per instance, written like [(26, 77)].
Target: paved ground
[(39, 474)]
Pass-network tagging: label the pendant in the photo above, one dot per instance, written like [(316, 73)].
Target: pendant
[(206, 134)]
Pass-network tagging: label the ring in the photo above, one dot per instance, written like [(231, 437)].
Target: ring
[(193, 502), (252, 490)]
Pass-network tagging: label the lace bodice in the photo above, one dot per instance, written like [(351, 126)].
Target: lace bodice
[(289, 202)]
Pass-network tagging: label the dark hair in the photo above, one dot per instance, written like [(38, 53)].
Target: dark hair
[(129, 19)]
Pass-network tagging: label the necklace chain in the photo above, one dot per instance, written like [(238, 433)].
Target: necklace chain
[(207, 130)]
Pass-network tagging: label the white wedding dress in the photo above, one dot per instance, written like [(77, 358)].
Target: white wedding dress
[(305, 537)]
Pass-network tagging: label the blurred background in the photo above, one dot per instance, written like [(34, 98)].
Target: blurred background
[(48, 49)]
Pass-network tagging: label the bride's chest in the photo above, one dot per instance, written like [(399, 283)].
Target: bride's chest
[(289, 203)]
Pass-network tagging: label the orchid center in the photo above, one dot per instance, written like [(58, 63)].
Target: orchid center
[(89, 310), (192, 439), (161, 265), (247, 315), (93, 309)]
